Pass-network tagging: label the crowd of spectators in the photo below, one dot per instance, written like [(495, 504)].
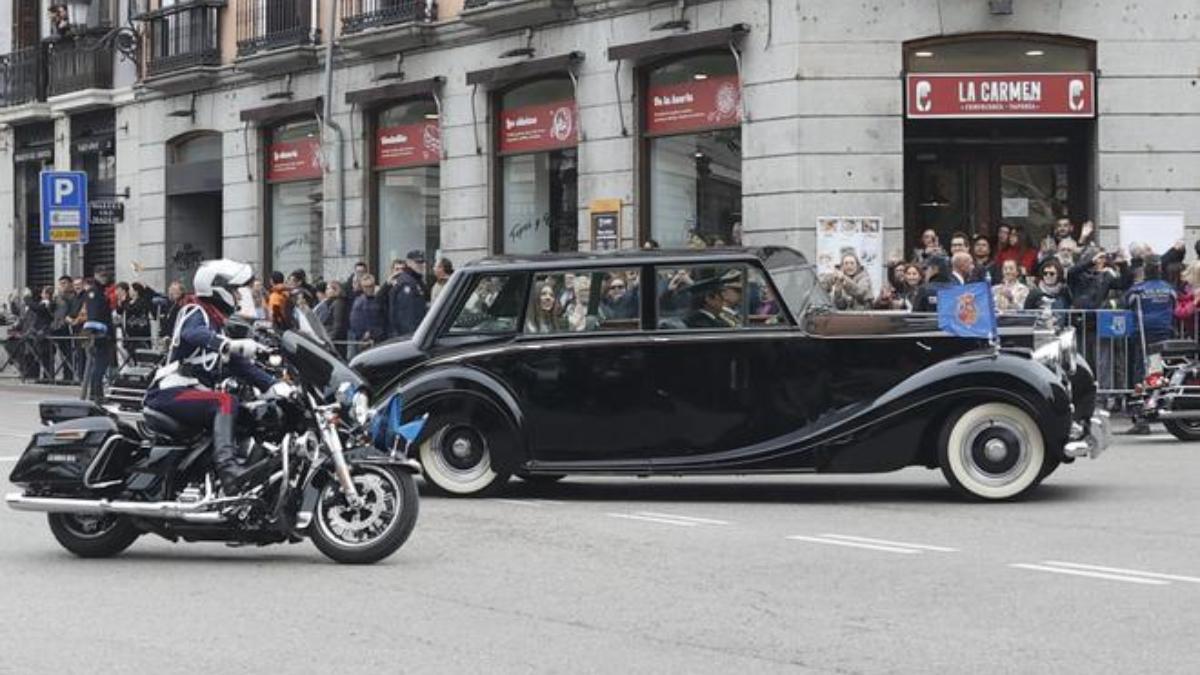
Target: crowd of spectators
[(82, 327)]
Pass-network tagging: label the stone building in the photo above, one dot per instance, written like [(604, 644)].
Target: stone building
[(517, 126)]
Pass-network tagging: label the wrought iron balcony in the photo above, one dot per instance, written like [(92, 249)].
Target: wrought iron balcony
[(264, 25), (79, 64), (23, 76), (183, 36), (360, 15)]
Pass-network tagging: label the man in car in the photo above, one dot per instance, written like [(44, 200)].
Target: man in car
[(715, 301)]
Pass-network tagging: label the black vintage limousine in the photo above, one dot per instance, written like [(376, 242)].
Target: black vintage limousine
[(720, 361)]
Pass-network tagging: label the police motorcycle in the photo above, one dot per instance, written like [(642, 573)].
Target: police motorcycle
[(320, 464), (1170, 391)]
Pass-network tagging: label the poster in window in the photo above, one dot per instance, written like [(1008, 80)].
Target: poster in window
[(860, 235), (695, 105), (543, 126), (294, 160), (408, 145)]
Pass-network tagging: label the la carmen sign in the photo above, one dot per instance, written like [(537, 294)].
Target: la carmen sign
[(957, 95)]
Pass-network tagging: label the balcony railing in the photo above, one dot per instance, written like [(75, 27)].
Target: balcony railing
[(360, 15), (75, 65), (271, 24), (183, 36), (23, 76)]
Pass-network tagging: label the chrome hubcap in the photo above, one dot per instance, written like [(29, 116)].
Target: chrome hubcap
[(362, 525), (996, 451)]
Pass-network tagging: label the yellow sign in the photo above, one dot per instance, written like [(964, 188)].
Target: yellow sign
[(64, 236)]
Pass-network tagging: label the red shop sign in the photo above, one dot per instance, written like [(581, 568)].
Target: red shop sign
[(408, 145), (544, 126), (696, 105), (1001, 95), (294, 160)]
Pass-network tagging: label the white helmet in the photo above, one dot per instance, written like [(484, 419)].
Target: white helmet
[(218, 280)]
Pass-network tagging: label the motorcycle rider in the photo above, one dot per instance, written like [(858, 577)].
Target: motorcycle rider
[(200, 356)]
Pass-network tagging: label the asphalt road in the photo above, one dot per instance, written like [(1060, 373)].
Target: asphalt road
[(1098, 572)]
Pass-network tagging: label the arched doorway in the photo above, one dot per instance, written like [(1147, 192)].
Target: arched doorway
[(999, 128), (193, 187)]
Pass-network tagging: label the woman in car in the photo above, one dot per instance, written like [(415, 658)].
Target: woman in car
[(546, 315)]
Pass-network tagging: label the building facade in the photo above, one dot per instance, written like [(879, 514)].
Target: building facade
[(515, 126)]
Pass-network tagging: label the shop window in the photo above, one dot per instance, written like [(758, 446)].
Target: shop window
[(537, 132), (691, 125), (584, 301), (405, 158), (295, 197), (716, 297), (983, 53)]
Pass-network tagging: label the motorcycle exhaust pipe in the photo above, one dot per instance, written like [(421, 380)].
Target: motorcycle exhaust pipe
[(161, 510)]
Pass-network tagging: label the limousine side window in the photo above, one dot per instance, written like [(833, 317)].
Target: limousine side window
[(573, 301), (493, 306), (715, 297)]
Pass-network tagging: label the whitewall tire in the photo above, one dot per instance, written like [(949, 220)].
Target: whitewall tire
[(457, 460), (992, 451)]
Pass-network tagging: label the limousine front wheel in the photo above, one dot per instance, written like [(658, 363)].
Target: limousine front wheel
[(457, 460), (992, 451)]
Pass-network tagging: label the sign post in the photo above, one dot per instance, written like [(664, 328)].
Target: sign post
[(64, 202)]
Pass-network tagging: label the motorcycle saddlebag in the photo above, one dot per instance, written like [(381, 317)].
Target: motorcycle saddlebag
[(64, 409), (59, 455)]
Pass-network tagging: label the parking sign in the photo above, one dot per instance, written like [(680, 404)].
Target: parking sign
[(64, 207)]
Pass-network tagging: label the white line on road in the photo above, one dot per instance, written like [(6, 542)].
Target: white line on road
[(701, 521), (650, 519), (885, 542), (1118, 570), (519, 502), (9, 459), (1084, 573), (854, 544)]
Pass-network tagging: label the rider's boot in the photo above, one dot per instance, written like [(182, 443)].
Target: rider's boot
[(225, 449)]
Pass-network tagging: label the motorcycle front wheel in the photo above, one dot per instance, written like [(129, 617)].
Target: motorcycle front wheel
[(375, 528)]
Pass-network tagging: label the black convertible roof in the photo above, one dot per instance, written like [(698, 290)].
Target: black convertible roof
[(683, 256)]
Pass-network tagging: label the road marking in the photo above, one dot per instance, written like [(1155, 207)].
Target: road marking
[(13, 434), (1119, 570), (854, 544), (898, 544), (1094, 575), (699, 521), (536, 503), (651, 519), (9, 459)]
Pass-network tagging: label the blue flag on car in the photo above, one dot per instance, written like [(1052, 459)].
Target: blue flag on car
[(967, 311), (1115, 323)]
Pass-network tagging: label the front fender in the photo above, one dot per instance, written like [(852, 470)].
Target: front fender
[(458, 379), (316, 479)]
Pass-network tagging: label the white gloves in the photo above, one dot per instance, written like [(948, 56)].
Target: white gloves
[(282, 389), (243, 347)]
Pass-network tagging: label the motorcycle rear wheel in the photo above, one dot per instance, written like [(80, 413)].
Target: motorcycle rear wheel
[(377, 529), (93, 536), (1184, 430)]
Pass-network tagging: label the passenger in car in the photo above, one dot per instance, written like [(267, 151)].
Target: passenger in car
[(546, 315), (716, 300), (674, 292), (619, 302), (577, 315)]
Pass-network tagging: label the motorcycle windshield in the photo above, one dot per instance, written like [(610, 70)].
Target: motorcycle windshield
[(317, 365)]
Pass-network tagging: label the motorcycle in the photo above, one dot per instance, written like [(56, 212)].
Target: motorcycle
[(320, 464), (1170, 392)]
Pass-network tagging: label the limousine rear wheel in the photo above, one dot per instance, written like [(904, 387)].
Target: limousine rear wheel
[(457, 459), (992, 451)]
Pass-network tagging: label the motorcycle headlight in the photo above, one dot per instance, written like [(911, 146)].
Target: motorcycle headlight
[(360, 407)]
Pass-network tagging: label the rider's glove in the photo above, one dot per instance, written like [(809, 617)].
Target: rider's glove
[(243, 347), (282, 389)]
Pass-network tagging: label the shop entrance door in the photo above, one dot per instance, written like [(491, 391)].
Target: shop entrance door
[(971, 175)]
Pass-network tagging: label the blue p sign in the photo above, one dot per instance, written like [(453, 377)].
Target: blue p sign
[(64, 207)]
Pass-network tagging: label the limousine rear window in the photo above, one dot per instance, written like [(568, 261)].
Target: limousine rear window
[(585, 300)]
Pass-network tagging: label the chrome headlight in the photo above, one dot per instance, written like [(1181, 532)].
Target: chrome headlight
[(1066, 346), (1049, 355), (360, 407)]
